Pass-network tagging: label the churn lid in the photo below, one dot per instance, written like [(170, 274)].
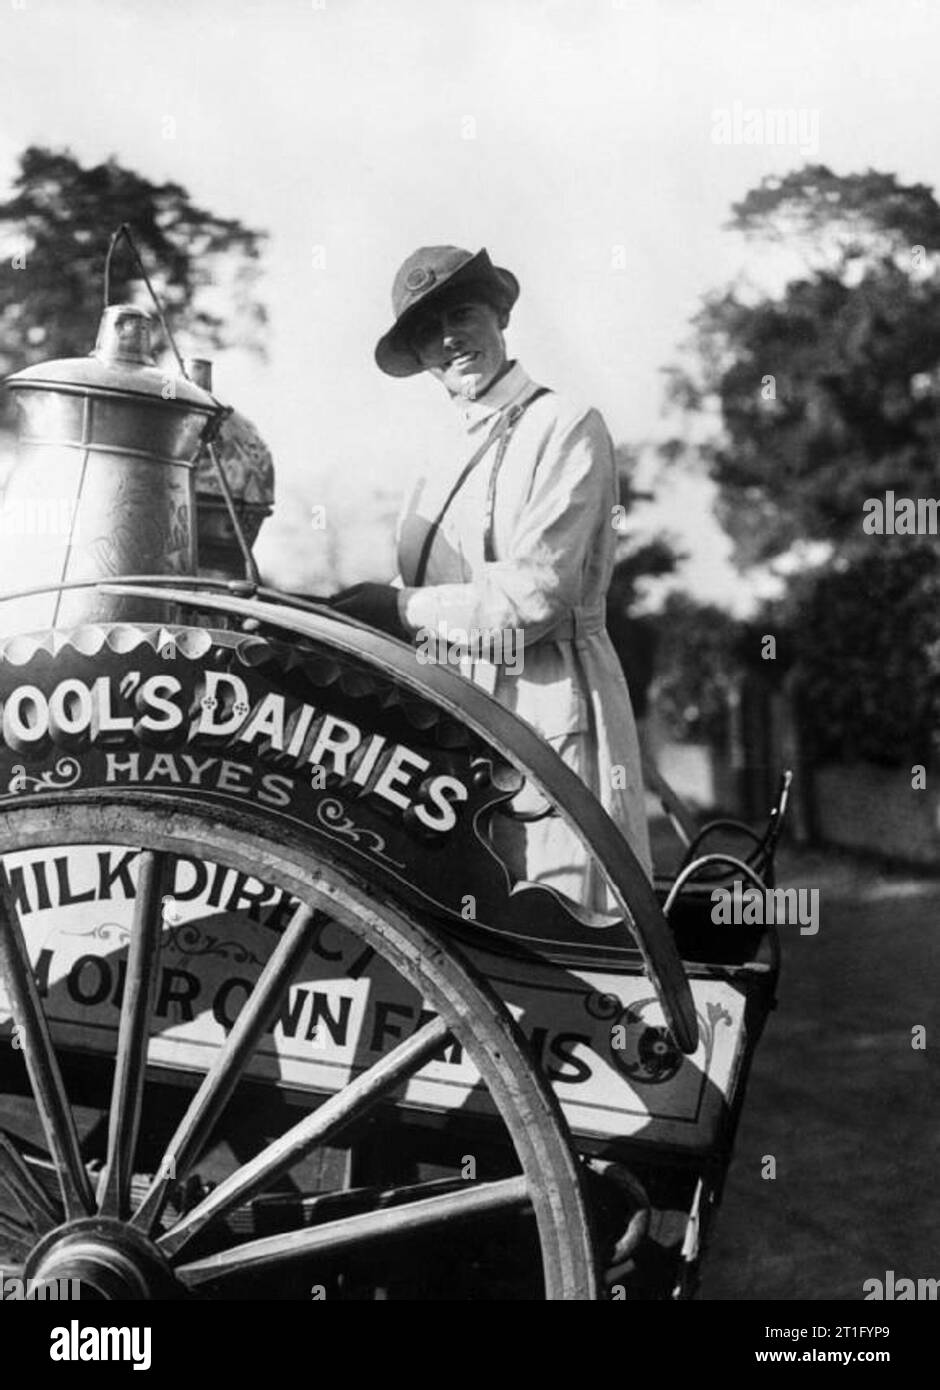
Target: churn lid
[(121, 364)]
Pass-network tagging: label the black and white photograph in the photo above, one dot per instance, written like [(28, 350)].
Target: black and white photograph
[(470, 666)]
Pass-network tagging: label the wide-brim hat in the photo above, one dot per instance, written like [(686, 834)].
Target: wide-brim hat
[(428, 275)]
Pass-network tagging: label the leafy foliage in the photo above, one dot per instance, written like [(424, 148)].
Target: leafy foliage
[(62, 216), (825, 395), (639, 559), (868, 674), (698, 658), (853, 350)]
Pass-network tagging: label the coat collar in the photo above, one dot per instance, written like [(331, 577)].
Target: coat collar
[(505, 392)]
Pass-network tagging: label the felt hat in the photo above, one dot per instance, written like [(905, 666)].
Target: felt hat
[(428, 276)]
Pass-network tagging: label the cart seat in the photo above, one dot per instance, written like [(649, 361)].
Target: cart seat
[(687, 900)]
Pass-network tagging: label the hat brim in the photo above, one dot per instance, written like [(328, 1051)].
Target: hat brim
[(393, 353)]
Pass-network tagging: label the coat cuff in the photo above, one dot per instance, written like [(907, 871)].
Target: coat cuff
[(403, 596)]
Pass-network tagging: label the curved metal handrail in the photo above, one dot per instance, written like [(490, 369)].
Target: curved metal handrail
[(690, 871), (763, 844)]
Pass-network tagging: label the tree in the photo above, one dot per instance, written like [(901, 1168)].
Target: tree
[(867, 636), (60, 219), (828, 394), (697, 663), (639, 558)]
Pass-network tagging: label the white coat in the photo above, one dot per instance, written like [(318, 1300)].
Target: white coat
[(554, 542)]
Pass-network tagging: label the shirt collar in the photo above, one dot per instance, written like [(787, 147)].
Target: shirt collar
[(505, 392)]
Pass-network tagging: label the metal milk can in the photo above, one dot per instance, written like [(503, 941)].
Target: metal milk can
[(103, 485)]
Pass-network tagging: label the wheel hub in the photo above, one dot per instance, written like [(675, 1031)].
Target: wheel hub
[(110, 1260)]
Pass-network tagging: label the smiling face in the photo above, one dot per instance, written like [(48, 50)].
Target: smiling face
[(460, 342)]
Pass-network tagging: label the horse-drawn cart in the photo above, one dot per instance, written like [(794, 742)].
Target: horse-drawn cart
[(275, 1020)]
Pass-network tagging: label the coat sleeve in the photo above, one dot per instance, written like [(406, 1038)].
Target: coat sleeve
[(541, 578)]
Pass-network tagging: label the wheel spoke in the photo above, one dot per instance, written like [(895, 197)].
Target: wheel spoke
[(41, 1063), (317, 1128), (19, 1240), (350, 1231), (136, 1007), (26, 1189), (219, 1082), (429, 963), (277, 1211)]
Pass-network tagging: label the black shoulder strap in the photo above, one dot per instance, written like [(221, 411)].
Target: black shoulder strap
[(501, 431)]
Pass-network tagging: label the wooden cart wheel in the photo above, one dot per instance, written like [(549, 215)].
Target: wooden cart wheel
[(95, 1233)]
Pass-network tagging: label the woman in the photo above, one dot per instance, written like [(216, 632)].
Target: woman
[(513, 541)]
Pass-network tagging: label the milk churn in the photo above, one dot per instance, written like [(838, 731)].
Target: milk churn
[(103, 484), (248, 466)]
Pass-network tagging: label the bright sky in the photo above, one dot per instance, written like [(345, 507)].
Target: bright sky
[(572, 138)]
